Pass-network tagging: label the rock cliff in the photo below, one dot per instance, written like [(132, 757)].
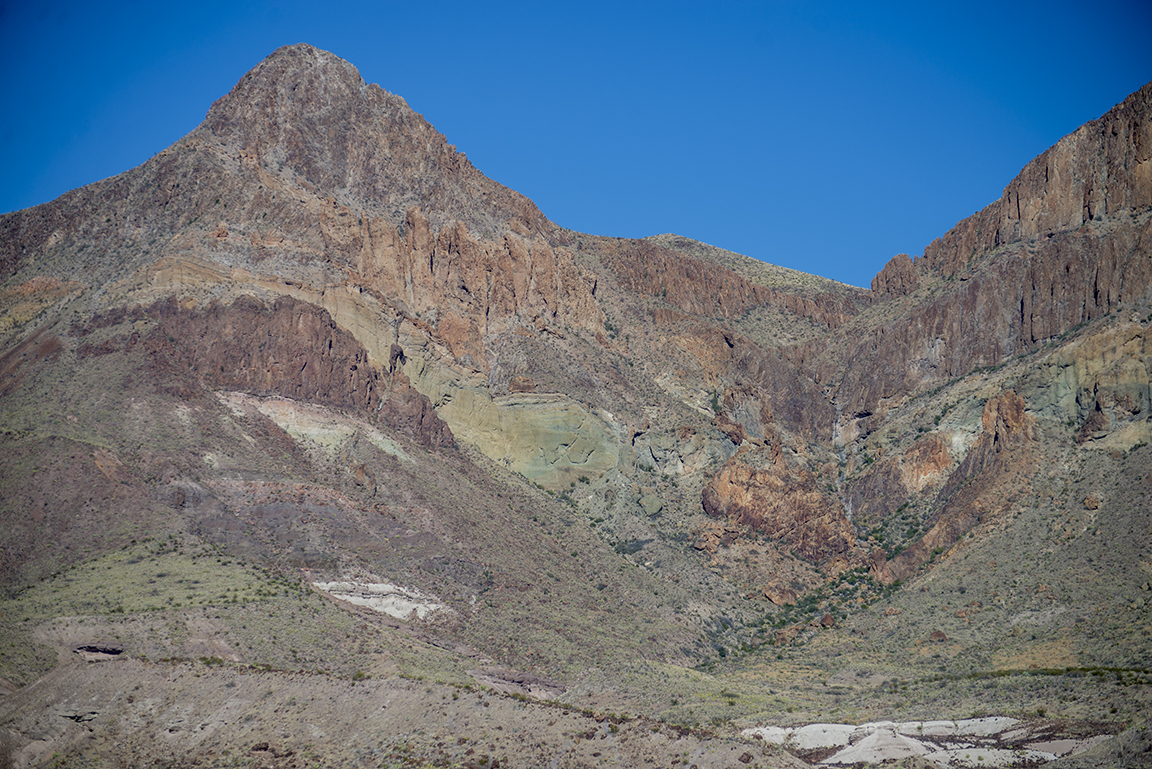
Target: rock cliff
[(1068, 242), (1095, 173)]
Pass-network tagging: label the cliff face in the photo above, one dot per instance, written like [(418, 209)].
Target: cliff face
[(897, 278), (984, 484), (1018, 299), (291, 348), (1094, 173), (1067, 243)]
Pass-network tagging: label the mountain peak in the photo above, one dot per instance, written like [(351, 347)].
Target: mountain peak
[(309, 114)]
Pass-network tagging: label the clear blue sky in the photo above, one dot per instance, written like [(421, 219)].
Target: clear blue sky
[(821, 136)]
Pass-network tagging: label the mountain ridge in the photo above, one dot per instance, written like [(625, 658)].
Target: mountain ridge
[(310, 344)]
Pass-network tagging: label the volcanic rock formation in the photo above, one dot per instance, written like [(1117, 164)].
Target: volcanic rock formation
[(310, 344)]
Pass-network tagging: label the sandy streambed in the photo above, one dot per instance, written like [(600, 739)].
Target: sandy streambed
[(995, 741)]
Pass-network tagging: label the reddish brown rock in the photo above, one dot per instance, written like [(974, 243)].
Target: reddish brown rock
[(477, 286), (772, 390), (780, 595), (983, 484), (690, 285), (1053, 253), (892, 481), (1100, 169), (769, 494), (899, 277), (706, 289), (291, 348)]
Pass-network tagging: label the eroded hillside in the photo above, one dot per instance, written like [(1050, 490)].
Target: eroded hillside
[(306, 394)]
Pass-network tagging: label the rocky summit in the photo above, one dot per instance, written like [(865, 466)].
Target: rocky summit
[(319, 447)]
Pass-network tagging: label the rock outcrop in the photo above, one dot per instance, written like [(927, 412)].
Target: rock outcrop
[(885, 488), (1068, 242), (291, 348), (707, 289), (690, 285), (767, 386), (899, 277), (307, 116), (1019, 299), (470, 287), (983, 484), (1094, 173), (779, 499), (1100, 382)]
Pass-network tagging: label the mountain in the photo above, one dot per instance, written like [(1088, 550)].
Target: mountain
[(321, 446)]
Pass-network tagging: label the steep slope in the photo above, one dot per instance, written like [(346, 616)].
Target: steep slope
[(308, 392)]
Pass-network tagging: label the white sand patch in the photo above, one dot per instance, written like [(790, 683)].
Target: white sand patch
[(994, 741), (815, 736), (881, 745), (773, 735), (927, 728), (399, 602)]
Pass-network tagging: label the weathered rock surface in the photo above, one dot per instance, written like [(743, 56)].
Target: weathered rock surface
[(292, 349), (1067, 242), (779, 499), (768, 386), (984, 483), (1094, 173), (707, 289), (882, 490), (899, 277), (307, 115), (1101, 382), (1019, 299)]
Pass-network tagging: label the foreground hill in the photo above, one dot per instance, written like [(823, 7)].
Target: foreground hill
[(306, 403)]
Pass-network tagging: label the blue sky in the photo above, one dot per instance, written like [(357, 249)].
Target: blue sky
[(820, 136)]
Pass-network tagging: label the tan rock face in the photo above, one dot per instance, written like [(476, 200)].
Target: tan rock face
[(771, 495), (1101, 382), (984, 483), (780, 595), (925, 461), (475, 287), (878, 493)]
